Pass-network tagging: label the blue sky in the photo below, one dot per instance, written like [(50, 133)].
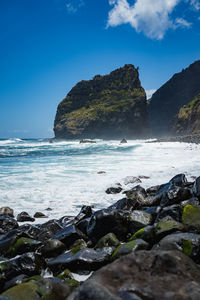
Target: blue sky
[(47, 46)]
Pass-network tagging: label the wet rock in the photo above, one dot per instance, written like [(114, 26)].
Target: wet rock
[(147, 234), (174, 195), (7, 211), (173, 211), (83, 224), (39, 215), (101, 172), (65, 275), (113, 190), (193, 201), (29, 264), (123, 141), (196, 188), (144, 275), (188, 243), (78, 245), (86, 212), (24, 217), (69, 235), (129, 247), (119, 222), (14, 281), (46, 288), (125, 204), (48, 230), (191, 216), (22, 245), (179, 180), (7, 223), (109, 240), (52, 248), (166, 227), (86, 259), (31, 231)]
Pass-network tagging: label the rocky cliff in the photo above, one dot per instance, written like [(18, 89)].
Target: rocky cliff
[(167, 100), (188, 118), (111, 106)]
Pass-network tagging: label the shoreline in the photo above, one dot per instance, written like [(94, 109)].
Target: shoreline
[(162, 221)]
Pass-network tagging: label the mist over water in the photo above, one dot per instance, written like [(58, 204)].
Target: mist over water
[(35, 174)]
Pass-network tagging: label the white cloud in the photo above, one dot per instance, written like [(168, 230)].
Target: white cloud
[(180, 22), (74, 5), (151, 17), (149, 93)]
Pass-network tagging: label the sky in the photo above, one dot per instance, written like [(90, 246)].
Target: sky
[(47, 46)]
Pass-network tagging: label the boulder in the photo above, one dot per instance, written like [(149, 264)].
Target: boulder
[(7, 211), (85, 259), (52, 248), (109, 240), (7, 223), (24, 217), (144, 275), (69, 235), (129, 247), (113, 190), (188, 243), (191, 216)]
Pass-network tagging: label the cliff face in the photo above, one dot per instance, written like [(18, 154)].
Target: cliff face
[(167, 101), (188, 118), (111, 106)]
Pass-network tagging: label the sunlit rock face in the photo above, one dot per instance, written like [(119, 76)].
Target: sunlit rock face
[(110, 106), (166, 102)]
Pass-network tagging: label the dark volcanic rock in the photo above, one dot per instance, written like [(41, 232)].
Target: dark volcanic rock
[(113, 190), (69, 235), (7, 211), (24, 217), (167, 100), (7, 223), (150, 275), (111, 106), (85, 259)]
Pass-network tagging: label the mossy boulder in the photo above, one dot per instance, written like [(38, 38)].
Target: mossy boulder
[(109, 240), (23, 245), (23, 291), (166, 227), (132, 246), (191, 216), (147, 234), (111, 106)]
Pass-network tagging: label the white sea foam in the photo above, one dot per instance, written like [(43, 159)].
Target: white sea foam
[(36, 175)]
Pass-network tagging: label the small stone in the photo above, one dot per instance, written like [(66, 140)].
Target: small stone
[(114, 190), (101, 172), (123, 141), (39, 215), (24, 217)]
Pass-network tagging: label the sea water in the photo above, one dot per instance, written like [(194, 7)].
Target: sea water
[(63, 175)]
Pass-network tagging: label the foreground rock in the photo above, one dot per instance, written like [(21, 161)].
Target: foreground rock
[(163, 220), (144, 275)]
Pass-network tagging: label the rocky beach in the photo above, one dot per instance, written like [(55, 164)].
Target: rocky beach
[(144, 246)]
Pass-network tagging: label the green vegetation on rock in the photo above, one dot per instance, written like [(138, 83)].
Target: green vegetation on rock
[(188, 118), (191, 216), (107, 106)]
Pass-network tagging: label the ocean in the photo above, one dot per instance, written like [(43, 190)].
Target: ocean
[(36, 175)]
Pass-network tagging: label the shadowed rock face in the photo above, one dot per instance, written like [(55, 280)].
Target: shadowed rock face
[(111, 106), (166, 102), (188, 118)]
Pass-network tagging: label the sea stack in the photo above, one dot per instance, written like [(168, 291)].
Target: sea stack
[(111, 107)]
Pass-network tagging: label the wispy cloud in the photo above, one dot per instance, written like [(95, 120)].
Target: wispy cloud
[(74, 5), (151, 17), (149, 93), (180, 22)]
